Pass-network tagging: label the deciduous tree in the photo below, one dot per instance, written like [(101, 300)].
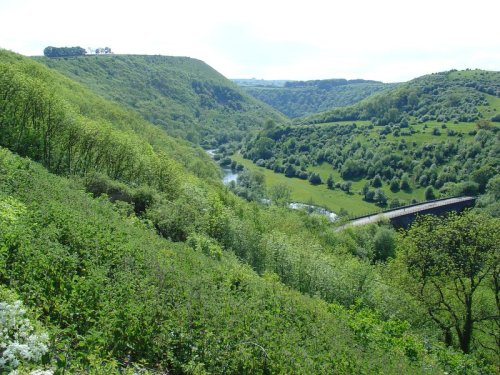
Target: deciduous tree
[(453, 264)]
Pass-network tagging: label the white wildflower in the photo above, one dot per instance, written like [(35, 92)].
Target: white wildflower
[(19, 343)]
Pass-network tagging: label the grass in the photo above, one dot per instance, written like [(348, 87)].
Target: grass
[(325, 170), (492, 109), (304, 192), (320, 195)]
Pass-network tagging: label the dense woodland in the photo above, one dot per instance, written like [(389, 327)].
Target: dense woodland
[(303, 98), (184, 96), (63, 51), (121, 252), (447, 96)]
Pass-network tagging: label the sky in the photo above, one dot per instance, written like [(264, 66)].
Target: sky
[(385, 40)]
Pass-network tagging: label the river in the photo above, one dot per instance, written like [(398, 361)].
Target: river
[(229, 175)]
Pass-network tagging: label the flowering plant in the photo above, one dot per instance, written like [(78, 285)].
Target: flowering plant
[(19, 342)]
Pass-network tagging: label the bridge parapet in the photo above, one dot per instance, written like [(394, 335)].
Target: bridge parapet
[(404, 216)]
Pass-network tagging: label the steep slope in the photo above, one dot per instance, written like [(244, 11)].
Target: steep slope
[(185, 96), (304, 98), (53, 119), (111, 294)]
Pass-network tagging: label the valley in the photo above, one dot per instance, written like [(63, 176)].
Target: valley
[(155, 218), (367, 162)]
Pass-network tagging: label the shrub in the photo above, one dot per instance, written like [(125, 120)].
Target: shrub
[(205, 245), (429, 193), (377, 181), (384, 244), (315, 179), (395, 184)]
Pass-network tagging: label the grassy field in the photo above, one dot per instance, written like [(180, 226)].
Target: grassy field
[(320, 195), (325, 170)]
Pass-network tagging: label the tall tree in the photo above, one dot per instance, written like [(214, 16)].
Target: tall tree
[(453, 265)]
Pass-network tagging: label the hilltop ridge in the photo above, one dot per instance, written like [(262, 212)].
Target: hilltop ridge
[(445, 96)]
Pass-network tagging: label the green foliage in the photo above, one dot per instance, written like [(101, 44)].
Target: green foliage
[(453, 264), (184, 96), (405, 183), (380, 197), (330, 182), (250, 185), (394, 185), (429, 193), (280, 194), (247, 288), (64, 51), (205, 245), (436, 97), (377, 181), (72, 131), (356, 153), (315, 179), (110, 292), (384, 244), (298, 99), (482, 175)]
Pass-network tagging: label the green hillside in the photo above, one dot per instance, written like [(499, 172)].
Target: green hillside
[(456, 96), (131, 257), (184, 96), (443, 140), (304, 98), (87, 121)]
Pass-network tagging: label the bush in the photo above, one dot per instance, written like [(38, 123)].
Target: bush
[(395, 203), (466, 188), (330, 182), (384, 244), (380, 197), (205, 245), (303, 175), (429, 193), (346, 186), (496, 118), (370, 195), (315, 179), (377, 181), (395, 185)]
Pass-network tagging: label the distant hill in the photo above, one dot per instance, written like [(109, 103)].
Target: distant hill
[(185, 96), (252, 82), (445, 96), (303, 98)]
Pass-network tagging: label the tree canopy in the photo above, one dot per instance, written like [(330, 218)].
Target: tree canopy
[(454, 266), (64, 51)]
